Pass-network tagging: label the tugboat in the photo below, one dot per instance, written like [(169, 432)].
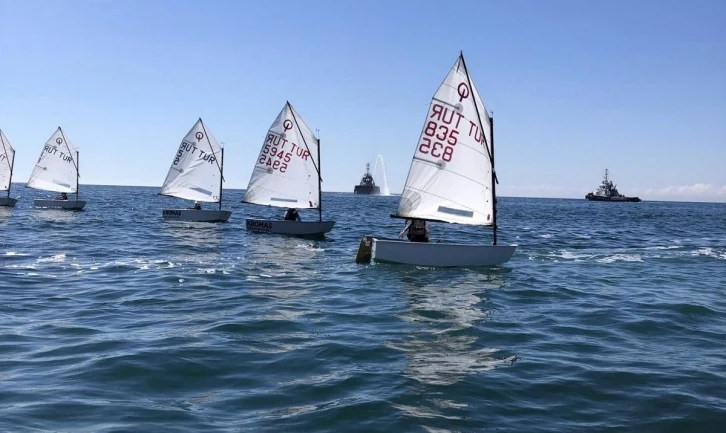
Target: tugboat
[(608, 192), (367, 186)]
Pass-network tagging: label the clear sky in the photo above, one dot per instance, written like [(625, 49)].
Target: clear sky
[(576, 86)]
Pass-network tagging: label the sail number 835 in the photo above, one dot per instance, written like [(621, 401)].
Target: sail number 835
[(275, 158), (443, 141)]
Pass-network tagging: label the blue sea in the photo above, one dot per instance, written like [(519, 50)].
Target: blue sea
[(609, 317)]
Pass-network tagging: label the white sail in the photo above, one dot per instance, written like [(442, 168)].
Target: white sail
[(450, 178), (196, 171), (56, 169), (286, 171), (7, 158)]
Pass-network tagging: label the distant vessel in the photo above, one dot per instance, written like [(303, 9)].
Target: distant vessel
[(367, 186), (608, 192)]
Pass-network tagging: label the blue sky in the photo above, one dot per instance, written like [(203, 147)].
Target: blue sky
[(576, 86)]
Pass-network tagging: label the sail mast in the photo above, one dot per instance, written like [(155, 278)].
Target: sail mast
[(221, 176), (78, 175), (490, 153), (316, 166), (12, 162), (494, 182), (10, 181), (220, 165), (476, 107), (320, 189)]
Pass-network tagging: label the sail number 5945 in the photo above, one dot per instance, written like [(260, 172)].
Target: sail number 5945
[(273, 157), (442, 143)]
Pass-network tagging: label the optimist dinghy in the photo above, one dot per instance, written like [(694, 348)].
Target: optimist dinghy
[(7, 160), (57, 170), (287, 175), (196, 173), (451, 180)]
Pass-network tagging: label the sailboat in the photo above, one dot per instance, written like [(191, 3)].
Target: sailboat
[(196, 173), (57, 170), (451, 180), (7, 160), (287, 175)]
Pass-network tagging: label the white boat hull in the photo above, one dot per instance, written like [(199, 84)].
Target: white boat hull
[(282, 227), (440, 254), (59, 204), (202, 215), (8, 201)]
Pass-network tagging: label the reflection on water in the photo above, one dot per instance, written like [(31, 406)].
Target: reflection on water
[(53, 215), (283, 256), (440, 351), (192, 234), (281, 281), (195, 243), (5, 214), (443, 349)]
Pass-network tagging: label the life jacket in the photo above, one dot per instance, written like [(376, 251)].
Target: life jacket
[(417, 229)]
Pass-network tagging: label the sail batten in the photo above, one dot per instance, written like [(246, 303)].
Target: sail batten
[(196, 171), (450, 178), (286, 171), (7, 159), (56, 169)]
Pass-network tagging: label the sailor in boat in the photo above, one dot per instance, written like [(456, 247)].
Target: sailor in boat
[(416, 231), (196, 206), (292, 215), (63, 196)]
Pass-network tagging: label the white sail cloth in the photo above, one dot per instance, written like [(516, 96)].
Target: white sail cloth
[(7, 158), (196, 171), (450, 178), (57, 166), (286, 173)]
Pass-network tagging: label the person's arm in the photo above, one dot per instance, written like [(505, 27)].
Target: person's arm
[(400, 235), (298, 217)]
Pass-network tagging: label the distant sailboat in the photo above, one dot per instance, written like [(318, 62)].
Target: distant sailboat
[(57, 171), (196, 173), (7, 160), (287, 175), (451, 180)]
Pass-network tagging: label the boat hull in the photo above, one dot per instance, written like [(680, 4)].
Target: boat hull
[(282, 227), (196, 215), (594, 197), (367, 189), (59, 204), (8, 201), (439, 254)]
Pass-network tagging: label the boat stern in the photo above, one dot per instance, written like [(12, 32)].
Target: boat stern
[(8, 201)]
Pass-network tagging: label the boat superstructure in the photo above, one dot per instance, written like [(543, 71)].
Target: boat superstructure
[(367, 185)]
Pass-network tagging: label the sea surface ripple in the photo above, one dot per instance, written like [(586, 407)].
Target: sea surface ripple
[(609, 317)]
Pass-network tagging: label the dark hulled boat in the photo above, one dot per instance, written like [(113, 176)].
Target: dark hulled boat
[(367, 186), (607, 191)]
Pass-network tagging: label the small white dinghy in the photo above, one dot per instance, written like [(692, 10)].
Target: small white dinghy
[(287, 175), (7, 160), (196, 173), (451, 180), (57, 170)]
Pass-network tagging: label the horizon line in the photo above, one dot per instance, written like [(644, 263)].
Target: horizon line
[(398, 194)]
